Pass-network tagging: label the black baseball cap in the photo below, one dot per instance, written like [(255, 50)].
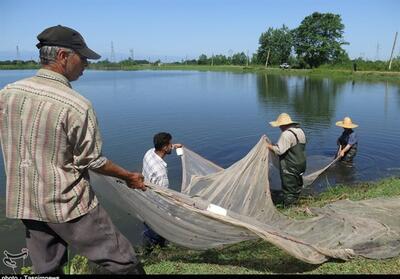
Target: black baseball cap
[(66, 37)]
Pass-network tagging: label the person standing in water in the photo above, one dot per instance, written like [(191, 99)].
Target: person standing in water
[(292, 158), (347, 141)]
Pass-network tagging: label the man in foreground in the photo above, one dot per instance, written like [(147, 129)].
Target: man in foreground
[(50, 139)]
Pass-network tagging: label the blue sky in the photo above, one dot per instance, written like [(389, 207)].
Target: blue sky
[(173, 29)]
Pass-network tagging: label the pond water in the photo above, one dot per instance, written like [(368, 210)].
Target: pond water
[(222, 115)]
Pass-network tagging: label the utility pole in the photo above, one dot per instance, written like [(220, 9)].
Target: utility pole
[(391, 55), (266, 61), (247, 62), (377, 52), (132, 54), (212, 59), (112, 57), (18, 56), (230, 53)]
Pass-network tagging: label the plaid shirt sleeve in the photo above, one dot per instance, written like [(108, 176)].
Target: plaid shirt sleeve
[(87, 141), (155, 169)]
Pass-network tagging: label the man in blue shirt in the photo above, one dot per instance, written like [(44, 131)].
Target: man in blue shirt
[(347, 141)]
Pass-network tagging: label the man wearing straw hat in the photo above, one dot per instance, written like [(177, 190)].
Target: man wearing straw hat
[(347, 142), (292, 158)]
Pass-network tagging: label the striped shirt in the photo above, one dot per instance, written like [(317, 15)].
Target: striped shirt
[(49, 138), (155, 169)]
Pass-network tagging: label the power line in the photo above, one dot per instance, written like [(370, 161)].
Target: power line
[(18, 56), (112, 56), (377, 51)]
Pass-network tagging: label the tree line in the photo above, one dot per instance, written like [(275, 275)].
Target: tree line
[(317, 41)]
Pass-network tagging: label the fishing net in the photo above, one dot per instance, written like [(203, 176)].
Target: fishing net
[(219, 206)]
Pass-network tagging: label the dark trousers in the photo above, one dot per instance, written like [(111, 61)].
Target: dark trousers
[(93, 235), (151, 238), (292, 185), (349, 156)]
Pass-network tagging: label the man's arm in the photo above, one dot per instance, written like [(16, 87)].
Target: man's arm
[(339, 151), (344, 150), (270, 147), (352, 140), (134, 180), (281, 146), (87, 145)]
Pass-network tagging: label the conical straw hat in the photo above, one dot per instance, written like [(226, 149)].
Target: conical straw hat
[(283, 119), (346, 123)]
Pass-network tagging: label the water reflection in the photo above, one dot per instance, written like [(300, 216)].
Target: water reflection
[(273, 89), (313, 100), (316, 99)]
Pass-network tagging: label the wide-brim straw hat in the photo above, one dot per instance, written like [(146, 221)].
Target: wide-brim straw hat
[(283, 119), (346, 123)]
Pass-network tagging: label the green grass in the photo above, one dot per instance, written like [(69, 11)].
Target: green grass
[(261, 257), (20, 67), (258, 256), (319, 72), (325, 71), (255, 257), (231, 68)]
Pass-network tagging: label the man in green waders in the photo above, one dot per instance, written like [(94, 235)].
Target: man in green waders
[(292, 158)]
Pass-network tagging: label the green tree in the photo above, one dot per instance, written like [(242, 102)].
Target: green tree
[(254, 59), (202, 60), (220, 59), (319, 39), (239, 58), (127, 62), (279, 42)]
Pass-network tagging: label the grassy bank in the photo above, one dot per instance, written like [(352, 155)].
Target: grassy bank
[(318, 72), (327, 72), (260, 257), (20, 67)]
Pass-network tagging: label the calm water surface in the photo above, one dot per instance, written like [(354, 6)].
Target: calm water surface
[(222, 115)]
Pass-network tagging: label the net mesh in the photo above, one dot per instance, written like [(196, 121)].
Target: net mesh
[(241, 195)]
